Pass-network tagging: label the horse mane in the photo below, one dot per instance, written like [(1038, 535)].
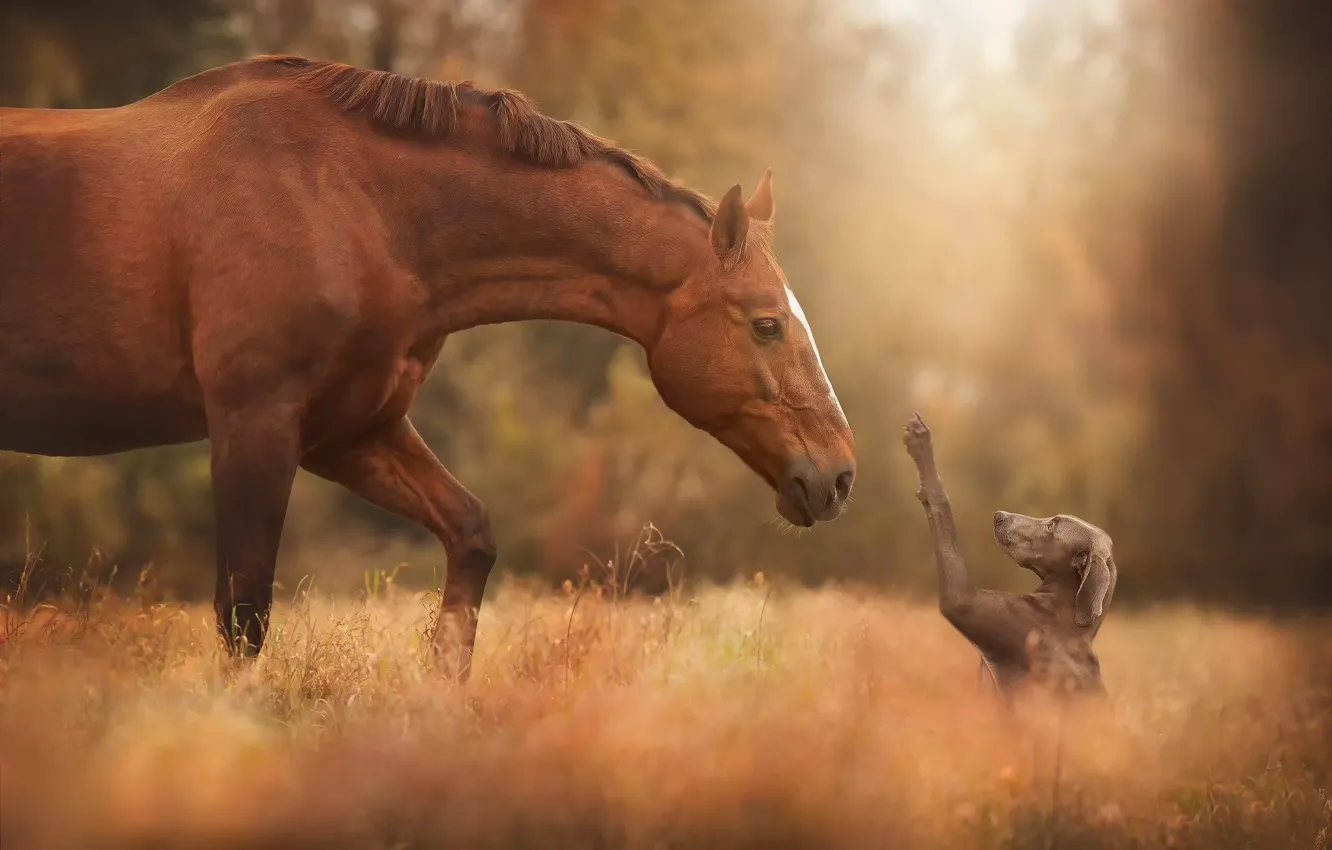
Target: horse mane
[(430, 108)]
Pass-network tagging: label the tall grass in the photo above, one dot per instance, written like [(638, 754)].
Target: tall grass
[(749, 715)]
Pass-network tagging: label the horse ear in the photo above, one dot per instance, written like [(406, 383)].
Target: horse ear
[(761, 206), (1096, 579), (730, 225)]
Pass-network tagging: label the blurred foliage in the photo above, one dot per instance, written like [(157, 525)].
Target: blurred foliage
[(104, 52), (1090, 242)]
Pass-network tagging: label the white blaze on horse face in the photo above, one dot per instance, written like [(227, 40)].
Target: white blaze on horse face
[(794, 306)]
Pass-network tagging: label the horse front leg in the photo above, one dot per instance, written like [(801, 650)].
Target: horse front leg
[(254, 457), (392, 468)]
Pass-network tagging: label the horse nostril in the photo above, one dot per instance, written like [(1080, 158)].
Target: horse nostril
[(802, 486), (842, 486), (998, 517)]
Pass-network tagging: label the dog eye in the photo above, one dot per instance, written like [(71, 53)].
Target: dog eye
[(767, 329)]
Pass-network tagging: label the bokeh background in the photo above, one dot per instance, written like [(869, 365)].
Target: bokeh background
[(1091, 240)]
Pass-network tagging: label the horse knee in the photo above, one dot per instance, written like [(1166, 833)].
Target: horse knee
[(477, 538), (473, 549)]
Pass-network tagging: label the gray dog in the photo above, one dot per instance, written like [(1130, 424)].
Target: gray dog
[(1040, 637)]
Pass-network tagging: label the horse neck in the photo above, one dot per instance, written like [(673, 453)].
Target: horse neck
[(502, 241)]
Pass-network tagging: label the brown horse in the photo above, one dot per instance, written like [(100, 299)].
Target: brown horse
[(270, 255)]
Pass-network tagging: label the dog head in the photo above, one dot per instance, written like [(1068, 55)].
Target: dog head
[(1062, 546)]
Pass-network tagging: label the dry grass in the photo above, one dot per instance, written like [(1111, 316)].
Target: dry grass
[(726, 717)]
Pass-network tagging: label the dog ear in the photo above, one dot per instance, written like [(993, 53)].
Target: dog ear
[(1098, 572)]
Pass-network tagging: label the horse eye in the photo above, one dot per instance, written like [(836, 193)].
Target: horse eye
[(767, 329), (1053, 523)]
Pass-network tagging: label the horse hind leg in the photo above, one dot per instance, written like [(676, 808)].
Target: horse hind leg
[(254, 457), (392, 468)]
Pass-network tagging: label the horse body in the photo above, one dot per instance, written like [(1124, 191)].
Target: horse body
[(180, 248), (93, 358), (271, 255)]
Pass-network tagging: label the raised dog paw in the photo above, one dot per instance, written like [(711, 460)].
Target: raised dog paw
[(917, 439)]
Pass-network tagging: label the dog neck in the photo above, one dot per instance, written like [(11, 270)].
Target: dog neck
[(1056, 599)]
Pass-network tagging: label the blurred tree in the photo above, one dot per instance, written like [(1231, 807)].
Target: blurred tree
[(388, 35), (1238, 477), (106, 53)]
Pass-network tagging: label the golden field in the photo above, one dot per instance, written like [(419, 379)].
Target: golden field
[(740, 716)]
